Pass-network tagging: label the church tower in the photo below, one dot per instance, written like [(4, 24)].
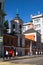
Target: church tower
[(16, 27), (2, 14), (16, 24)]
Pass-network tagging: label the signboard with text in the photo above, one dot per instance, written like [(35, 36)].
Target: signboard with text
[(1, 38)]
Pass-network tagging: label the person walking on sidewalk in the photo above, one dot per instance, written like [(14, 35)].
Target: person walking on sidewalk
[(6, 54), (13, 54), (36, 53), (16, 53)]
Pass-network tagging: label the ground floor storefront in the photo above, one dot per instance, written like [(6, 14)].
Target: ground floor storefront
[(25, 47)]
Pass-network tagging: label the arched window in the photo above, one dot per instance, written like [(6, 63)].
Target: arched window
[(20, 29), (20, 26), (13, 25)]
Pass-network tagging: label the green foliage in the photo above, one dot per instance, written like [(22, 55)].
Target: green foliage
[(6, 24)]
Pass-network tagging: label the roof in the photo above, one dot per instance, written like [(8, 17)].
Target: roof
[(18, 18), (28, 23), (37, 16), (31, 31)]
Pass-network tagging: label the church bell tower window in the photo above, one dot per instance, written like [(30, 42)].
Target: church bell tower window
[(20, 29), (20, 26), (13, 25)]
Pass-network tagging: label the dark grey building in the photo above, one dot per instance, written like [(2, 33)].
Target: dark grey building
[(2, 19)]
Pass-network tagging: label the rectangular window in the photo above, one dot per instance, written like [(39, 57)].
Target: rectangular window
[(37, 26), (0, 21), (0, 32), (20, 42), (0, 5), (28, 26), (36, 20), (39, 31), (24, 28)]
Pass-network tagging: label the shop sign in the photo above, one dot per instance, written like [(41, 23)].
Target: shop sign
[(1, 39)]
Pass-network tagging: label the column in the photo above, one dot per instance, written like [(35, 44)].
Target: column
[(23, 42), (18, 41), (3, 50), (23, 45), (30, 47)]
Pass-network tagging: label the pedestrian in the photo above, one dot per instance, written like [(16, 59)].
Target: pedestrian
[(36, 53), (13, 54), (6, 54), (10, 53), (39, 52), (28, 54), (16, 53)]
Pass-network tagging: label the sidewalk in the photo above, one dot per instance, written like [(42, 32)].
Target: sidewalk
[(7, 62), (26, 57), (21, 57)]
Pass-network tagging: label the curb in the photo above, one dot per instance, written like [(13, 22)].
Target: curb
[(23, 57), (26, 57)]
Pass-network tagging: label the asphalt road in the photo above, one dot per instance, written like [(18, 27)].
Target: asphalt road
[(32, 61)]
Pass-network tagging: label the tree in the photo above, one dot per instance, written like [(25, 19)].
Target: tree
[(6, 26)]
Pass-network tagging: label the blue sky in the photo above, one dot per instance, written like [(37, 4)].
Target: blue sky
[(25, 8)]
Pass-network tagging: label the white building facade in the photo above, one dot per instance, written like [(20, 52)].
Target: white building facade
[(26, 26), (38, 24)]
